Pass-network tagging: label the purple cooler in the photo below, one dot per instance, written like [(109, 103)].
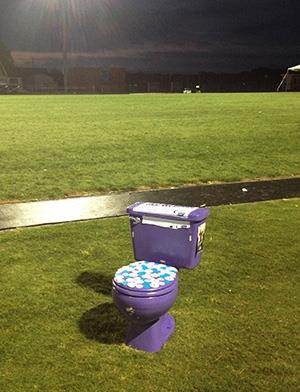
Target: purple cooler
[(168, 234)]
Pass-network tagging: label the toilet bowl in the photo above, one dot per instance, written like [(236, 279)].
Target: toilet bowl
[(144, 292), (165, 238)]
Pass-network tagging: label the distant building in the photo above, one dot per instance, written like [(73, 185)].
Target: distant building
[(97, 80), (118, 80), (113, 81), (38, 80), (150, 83), (82, 79)]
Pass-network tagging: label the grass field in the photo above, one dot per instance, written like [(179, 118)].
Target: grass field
[(54, 146), (236, 314)]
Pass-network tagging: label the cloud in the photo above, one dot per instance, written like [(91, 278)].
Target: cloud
[(173, 34), (22, 58)]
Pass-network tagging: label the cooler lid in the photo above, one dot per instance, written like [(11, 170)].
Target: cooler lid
[(145, 275), (168, 211)]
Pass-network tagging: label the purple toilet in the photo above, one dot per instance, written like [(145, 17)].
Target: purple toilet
[(165, 238)]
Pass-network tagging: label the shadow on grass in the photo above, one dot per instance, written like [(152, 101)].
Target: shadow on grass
[(99, 283), (103, 324)]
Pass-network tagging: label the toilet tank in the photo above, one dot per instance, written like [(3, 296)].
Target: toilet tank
[(168, 234)]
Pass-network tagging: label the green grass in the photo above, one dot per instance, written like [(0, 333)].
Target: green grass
[(236, 313), (53, 146)]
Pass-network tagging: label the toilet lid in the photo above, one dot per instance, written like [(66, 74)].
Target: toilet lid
[(145, 275)]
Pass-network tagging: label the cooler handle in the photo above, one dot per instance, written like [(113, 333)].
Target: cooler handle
[(166, 223)]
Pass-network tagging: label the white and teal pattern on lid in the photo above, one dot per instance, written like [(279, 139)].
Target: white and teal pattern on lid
[(145, 275)]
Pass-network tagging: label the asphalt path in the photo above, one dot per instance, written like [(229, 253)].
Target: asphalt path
[(114, 204)]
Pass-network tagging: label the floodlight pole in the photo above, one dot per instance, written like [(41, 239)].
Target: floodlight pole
[(65, 43)]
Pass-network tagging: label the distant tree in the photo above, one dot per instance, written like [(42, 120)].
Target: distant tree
[(6, 59)]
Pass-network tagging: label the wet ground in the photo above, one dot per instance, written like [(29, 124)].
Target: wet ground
[(94, 207)]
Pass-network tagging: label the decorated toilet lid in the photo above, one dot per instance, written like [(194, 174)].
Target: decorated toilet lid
[(145, 275)]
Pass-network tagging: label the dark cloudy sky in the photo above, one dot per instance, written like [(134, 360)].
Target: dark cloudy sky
[(156, 35)]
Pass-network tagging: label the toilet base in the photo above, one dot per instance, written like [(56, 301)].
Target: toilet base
[(151, 337)]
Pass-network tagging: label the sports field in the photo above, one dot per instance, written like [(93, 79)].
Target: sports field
[(56, 146), (237, 314)]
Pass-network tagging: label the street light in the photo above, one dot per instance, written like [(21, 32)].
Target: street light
[(65, 31), (61, 10)]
